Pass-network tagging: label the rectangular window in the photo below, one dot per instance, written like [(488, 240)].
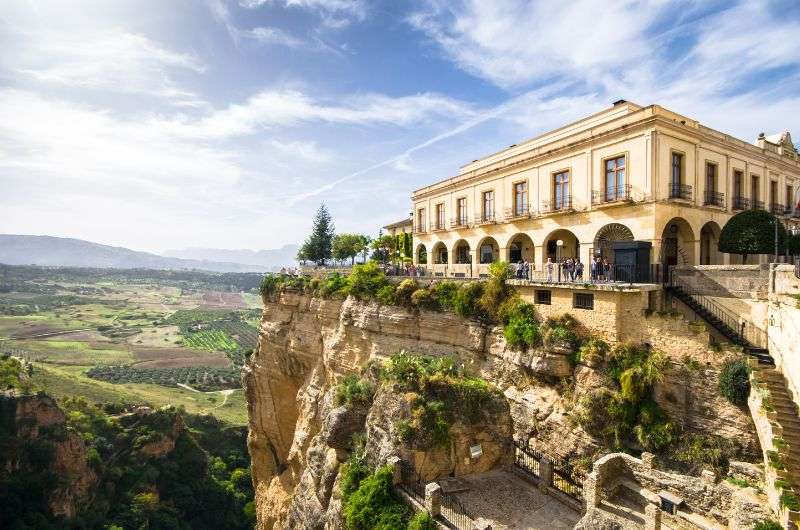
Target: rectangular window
[(543, 297), (421, 220), (677, 170), (789, 199), (737, 184), (561, 197), (773, 192), (711, 177), (520, 198), (488, 205), (583, 301), (440, 216), (754, 188), (615, 178), (462, 211)]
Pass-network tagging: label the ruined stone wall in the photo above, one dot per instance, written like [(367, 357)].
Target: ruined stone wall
[(740, 281), (784, 326)]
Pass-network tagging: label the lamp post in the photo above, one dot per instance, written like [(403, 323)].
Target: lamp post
[(559, 250)]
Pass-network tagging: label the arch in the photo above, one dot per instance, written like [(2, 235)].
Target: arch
[(570, 248), (488, 251), (709, 244), (521, 248), (421, 254), (460, 252), (677, 243), (439, 253), (607, 236)]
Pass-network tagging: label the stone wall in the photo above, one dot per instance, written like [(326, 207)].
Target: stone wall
[(739, 281), (784, 325)]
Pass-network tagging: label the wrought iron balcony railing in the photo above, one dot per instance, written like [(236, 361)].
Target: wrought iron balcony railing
[(420, 229), (680, 191), (612, 194), (741, 203), (561, 204), (757, 205), (787, 210), (459, 222), (485, 218), (714, 198), (776, 208), (517, 212)]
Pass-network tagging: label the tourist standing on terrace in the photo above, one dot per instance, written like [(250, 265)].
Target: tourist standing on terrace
[(549, 270)]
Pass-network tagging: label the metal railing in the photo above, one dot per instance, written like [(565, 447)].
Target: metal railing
[(454, 513), (565, 482), (420, 229), (613, 274), (517, 213), (484, 218), (757, 205), (680, 191), (776, 208), (561, 204), (410, 483), (736, 326), (459, 222), (527, 459), (797, 267), (714, 198), (741, 203), (612, 194)]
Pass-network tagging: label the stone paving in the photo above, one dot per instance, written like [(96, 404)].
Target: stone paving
[(511, 502)]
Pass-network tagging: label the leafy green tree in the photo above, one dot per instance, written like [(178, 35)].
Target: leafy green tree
[(366, 241), (793, 244), (319, 243), (302, 253), (347, 246), (751, 232), (384, 248)]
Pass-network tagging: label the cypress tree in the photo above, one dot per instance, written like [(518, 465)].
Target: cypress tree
[(319, 243)]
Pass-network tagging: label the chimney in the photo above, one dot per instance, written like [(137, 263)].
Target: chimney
[(618, 102)]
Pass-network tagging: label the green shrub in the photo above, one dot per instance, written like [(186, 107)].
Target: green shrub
[(353, 472), (269, 285), (424, 299), (353, 390), (422, 521), (522, 328), (445, 292), (593, 351), (373, 504), (387, 295), (365, 280), (561, 329), (466, 302), (775, 460), (790, 501), (404, 291), (734, 380), (767, 524), (495, 290), (335, 284)]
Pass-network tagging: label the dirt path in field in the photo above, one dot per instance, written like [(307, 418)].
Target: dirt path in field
[(224, 393)]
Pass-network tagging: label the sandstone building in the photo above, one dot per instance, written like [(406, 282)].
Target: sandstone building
[(626, 173)]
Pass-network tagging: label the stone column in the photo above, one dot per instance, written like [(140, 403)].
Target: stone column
[(591, 492), (652, 517), (647, 460), (545, 474), (433, 499), (585, 257)]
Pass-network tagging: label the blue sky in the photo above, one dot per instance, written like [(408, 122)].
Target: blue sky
[(224, 123)]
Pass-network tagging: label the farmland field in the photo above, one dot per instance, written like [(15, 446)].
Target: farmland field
[(155, 337)]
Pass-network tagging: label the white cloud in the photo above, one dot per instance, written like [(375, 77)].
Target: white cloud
[(335, 13), (271, 108), (306, 151), (267, 35), (111, 60)]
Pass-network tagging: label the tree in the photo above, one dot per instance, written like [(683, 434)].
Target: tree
[(347, 246), (319, 243), (366, 241), (793, 244), (384, 248), (302, 253), (751, 232)]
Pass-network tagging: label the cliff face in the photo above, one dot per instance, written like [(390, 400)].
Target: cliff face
[(298, 438)]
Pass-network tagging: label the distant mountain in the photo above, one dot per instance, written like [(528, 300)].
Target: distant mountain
[(269, 259), (63, 251)]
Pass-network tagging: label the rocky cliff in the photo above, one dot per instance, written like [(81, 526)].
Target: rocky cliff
[(298, 437)]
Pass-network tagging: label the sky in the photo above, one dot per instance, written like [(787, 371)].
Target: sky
[(165, 124)]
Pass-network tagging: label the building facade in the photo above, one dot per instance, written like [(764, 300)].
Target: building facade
[(628, 173)]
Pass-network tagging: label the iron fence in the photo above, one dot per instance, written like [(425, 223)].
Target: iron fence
[(454, 514), (741, 203), (410, 483), (714, 198), (612, 194), (776, 208), (527, 459), (559, 204), (680, 191), (757, 205), (567, 483)]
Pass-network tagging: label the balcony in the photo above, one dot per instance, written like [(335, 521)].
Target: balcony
[(516, 213), (741, 203), (460, 222), (757, 205), (787, 211), (485, 219), (777, 209), (561, 204), (714, 198), (420, 229), (680, 191), (612, 194), (439, 226)]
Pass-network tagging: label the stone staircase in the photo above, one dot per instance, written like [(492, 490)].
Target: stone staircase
[(788, 417)]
